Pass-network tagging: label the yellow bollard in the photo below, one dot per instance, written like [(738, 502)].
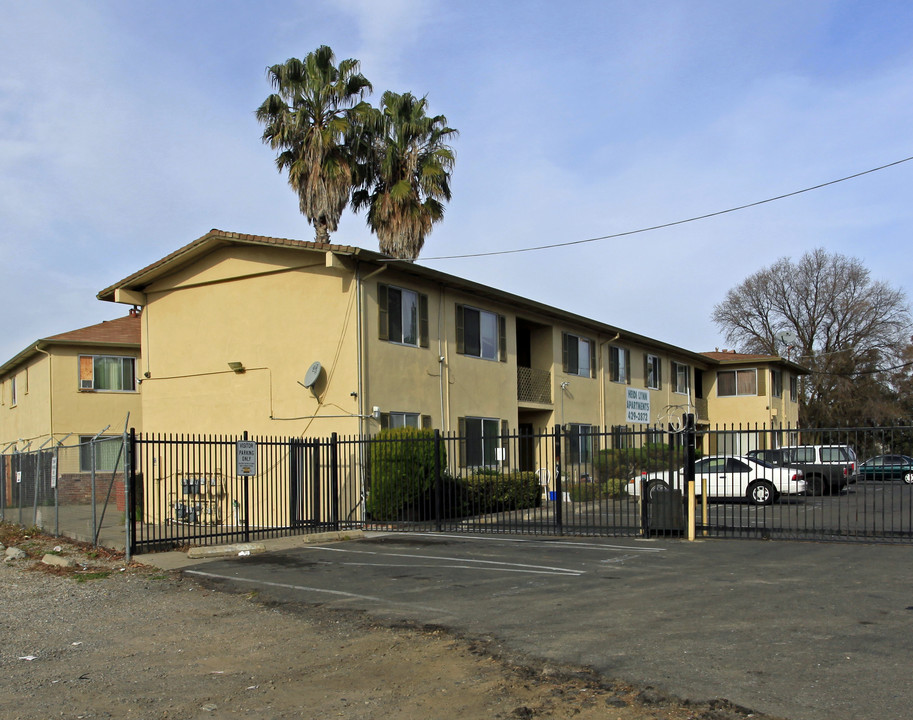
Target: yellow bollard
[(691, 511)]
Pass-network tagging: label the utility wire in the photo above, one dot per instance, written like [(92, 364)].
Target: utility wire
[(672, 224)]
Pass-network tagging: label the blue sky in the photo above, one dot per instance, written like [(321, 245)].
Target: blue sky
[(127, 130)]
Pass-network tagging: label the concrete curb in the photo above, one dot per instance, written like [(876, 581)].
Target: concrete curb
[(176, 560)]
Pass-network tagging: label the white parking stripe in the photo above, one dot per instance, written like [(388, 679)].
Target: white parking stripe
[(564, 571), (547, 543), (304, 588)]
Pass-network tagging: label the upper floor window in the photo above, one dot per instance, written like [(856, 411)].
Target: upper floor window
[(13, 391), (481, 333), (681, 376), (793, 388), (736, 382), (107, 372), (619, 364), (653, 372), (579, 355), (402, 315), (776, 383)]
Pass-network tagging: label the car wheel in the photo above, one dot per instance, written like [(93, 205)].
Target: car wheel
[(908, 477), (815, 486), (655, 487), (761, 493)]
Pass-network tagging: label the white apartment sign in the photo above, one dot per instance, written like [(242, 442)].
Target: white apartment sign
[(637, 406)]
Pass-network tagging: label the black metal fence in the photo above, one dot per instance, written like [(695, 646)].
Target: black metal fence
[(578, 480)]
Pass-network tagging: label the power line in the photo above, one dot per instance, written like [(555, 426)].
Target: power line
[(672, 224)]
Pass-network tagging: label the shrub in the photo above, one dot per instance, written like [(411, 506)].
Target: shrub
[(401, 471), (621, 464), (583, 491), (496, 491)]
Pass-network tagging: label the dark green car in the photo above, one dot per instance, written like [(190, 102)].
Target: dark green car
[(887, 467)]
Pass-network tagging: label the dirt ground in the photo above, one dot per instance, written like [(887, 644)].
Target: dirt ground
[(101, 640)]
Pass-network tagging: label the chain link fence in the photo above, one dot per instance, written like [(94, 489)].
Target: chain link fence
[(75, 491)]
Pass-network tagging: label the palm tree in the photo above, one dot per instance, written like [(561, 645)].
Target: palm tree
[(406, 173), (308, 119)]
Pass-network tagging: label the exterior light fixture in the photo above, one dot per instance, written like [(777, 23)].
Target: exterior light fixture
[(236, 367)]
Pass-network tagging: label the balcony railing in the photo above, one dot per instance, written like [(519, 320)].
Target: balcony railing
[(534, 385)]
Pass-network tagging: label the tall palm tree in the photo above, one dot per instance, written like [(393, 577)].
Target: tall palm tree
[(308, 119), (406, 174)]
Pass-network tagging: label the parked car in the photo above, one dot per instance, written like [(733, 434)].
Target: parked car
[(887, 467), (828, 469), (728, 477)]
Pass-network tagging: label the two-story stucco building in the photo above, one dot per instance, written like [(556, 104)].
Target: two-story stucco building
[(72, 386), (295, 338)]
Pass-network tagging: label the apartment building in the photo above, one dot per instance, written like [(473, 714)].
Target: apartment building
[(285, 337)]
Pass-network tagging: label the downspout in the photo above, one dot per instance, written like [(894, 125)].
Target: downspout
[(601, 369), (362, 343), (50, 390), (442, 358)]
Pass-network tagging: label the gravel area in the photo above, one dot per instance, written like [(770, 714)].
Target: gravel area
[(96, 639)]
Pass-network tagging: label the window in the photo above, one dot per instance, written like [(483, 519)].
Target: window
[(404, 420), (480, 440), (481, 333), (107, 452), (619, 364), (578, 355), (13, 398), (681, 376), (580, 443), (653, 372), (402, 316), (623, 437), (105, 372), (794, 388), (736, 382), (776, 383)]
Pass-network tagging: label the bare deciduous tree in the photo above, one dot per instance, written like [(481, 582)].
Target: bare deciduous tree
[(846, 329)]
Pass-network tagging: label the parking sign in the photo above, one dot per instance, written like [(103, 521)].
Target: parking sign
[(246, 456)]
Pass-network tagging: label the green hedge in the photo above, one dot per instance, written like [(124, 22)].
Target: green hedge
[(495, 491), (401, 467)]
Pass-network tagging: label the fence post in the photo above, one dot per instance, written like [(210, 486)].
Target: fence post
[(246, 503), (131, 490), (438, 480), (559, 494), (334, 479)]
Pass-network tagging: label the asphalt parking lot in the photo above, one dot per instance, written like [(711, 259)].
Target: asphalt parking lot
[(807, 631)]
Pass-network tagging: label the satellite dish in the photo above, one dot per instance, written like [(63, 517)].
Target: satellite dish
[(787, 338), (312, 375)]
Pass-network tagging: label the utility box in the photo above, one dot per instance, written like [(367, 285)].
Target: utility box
[(666, 513)]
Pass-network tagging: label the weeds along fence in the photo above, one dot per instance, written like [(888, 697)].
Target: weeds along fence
[(76, 491)]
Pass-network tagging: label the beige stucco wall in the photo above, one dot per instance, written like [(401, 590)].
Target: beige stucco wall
[(29, 419), (272, 310), (763, 409), (51, 403)]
